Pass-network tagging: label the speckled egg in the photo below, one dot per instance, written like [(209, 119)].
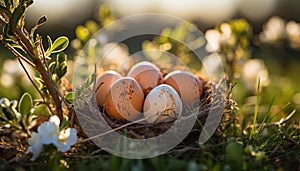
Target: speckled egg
[(103, 83), (162, 104), (147, 75), (125, 99), (188, 86)]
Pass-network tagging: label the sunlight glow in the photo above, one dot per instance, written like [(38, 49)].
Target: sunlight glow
[(61, 10)]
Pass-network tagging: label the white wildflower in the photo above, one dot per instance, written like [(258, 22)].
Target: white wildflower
[(66, 139), (212, 67), (55, 119), (253, 70), (293, 33), (226, 35), (36, 145), (213, 38), (216, 39), (49, 131), (273, 31)]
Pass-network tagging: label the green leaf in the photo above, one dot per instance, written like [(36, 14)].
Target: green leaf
[(8, 114), (52, 67), (2, 118), (90, 80), (49, 42), (59, 45), (42, 20), (25, 104), (16, 16), (70, 97), (28, 3), (41, 109), (62, 70), (61, 65), (65, 123), (61, 57), (234, 153)]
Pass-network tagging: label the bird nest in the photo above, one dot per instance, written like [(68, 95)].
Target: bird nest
[(215, 107)]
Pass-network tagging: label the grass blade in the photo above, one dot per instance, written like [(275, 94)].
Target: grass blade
[(255, 111)]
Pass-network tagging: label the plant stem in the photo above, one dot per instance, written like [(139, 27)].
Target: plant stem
[(33, 54), (23, 41), (35, 86)]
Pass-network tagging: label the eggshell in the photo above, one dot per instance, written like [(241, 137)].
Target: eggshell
[(125, 99), (141, 66), (147, 75), (162, 104), (188, 86), (103, 83)]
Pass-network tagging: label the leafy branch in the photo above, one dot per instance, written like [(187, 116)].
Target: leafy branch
[(27, 46)]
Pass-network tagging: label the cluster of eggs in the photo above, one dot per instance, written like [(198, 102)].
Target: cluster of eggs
[(146, 93)]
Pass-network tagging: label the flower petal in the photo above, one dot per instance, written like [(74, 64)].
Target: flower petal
[(36, 145), (55, 119), (49, 132), (72, 137), (66, 139)]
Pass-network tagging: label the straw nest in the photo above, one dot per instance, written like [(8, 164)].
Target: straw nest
[(215, 97)]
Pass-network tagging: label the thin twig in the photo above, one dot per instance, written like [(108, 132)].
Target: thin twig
[(274, 150), (35, 86), (115, 129), (278, 123), (54, 92), (290, 139), (17, 54), (126, 125)]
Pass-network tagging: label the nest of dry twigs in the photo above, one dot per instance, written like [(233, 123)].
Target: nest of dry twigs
[(214, 97)]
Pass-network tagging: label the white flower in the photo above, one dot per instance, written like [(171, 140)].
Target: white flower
[(226, 36), (66, 139), (293, 33), (252, 70), (36, 145), (274, 30), (212, 67), (55, 119), (49, 131), (213, 40), (216, 39)]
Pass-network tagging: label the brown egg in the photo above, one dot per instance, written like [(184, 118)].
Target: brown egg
[(125, 99), (147, 75), (188, 86), (103, 83)]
